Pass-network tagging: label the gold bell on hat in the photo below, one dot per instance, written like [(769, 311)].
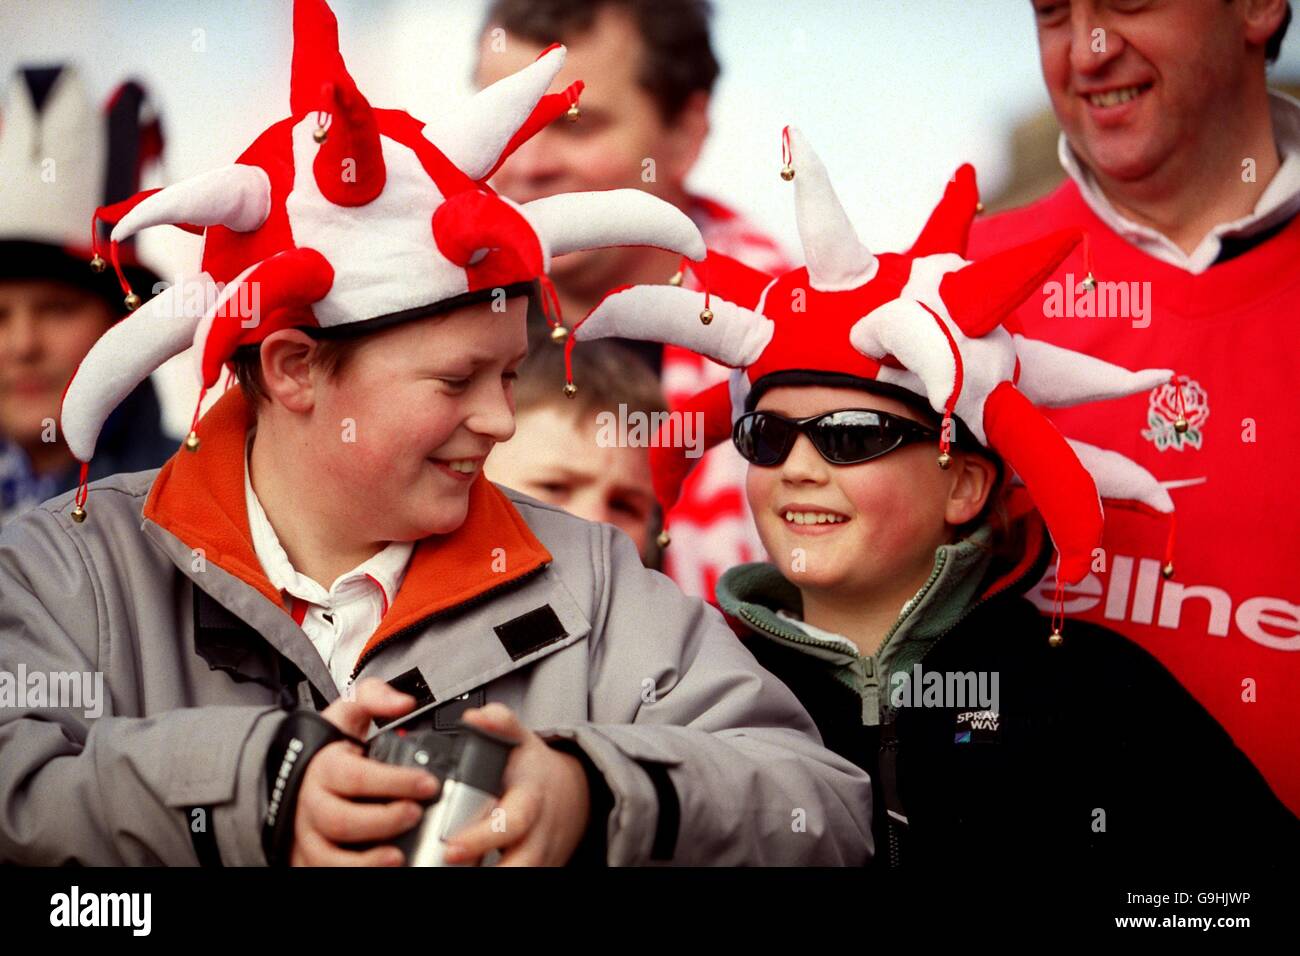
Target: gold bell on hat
[(78, 514), (570, 390), (192, 441), (663, 539), (1089, 283), (559, 334), (132, 301), (787, 172), (320, 134), (706, 316), (979, 207), (945, 460), (1056, 640), (98, 264), (572, 113), (1168, 570), (1180, 425)]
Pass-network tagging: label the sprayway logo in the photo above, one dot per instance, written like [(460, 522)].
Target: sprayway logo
[(977, 726), (1141, 599)]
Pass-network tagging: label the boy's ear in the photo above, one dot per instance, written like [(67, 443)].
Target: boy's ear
[(1261, 19), (287, 371), (972, 484)]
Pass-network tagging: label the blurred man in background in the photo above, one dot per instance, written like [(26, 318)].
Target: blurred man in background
[(649, 67), (60, 158), (1184, 171)]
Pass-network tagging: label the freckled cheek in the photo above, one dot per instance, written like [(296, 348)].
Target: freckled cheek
[(761, 486), (893, 505), (393, 444)]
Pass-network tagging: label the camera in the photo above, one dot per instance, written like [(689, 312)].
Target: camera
[(469, 762)]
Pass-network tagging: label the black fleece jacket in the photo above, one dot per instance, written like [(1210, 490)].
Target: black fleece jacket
[(1098, 758)]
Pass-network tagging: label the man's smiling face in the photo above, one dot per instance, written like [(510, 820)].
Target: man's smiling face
[(1138, 84)]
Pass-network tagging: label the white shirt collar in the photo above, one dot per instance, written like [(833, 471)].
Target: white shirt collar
[(1278, 203), (384, 571)]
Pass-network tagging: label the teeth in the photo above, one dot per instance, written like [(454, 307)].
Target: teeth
[(813, 517), (1113, 97), (466, 466)]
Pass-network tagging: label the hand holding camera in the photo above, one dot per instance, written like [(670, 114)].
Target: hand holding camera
[(347, 798), (422, 798), (545, 806)]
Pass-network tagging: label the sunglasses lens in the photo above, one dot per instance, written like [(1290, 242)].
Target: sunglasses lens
[(848, 437), (763, 439)]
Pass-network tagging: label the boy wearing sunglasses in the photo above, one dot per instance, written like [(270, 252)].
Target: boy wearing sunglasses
[(882, 401)]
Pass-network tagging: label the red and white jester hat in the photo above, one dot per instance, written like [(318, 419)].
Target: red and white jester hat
[(927, 321), (344, 214)]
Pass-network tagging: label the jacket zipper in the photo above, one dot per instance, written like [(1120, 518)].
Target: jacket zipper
[(916, 598), (888, 731), (424, 621), (801, 638), (807, 640)]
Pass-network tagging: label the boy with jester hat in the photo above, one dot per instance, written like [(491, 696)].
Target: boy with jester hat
[(393, 285), (884, 403)]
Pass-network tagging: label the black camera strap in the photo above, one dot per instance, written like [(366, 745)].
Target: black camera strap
[(303, 734)]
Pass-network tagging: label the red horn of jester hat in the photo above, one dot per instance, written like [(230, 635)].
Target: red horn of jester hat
[(344, 214), (927, 321)]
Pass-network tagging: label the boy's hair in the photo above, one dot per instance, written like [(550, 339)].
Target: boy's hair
[(330, 356), (678, 60), (607, 375)]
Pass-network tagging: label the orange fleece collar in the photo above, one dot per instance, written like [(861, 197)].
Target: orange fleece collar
[(199, 498)]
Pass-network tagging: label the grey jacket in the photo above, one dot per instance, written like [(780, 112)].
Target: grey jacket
[(623, 664)]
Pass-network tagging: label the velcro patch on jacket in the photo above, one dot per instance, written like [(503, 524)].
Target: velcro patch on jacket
[(447, 716), (530, 632), (413, 683)]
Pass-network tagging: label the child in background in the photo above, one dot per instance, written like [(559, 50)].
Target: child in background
[(569, 453)]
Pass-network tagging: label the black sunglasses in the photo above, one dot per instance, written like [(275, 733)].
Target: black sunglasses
[(849, 436)]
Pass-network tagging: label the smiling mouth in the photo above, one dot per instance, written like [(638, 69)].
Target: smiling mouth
[(1117, 97), (460, 467), (813, 517)]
